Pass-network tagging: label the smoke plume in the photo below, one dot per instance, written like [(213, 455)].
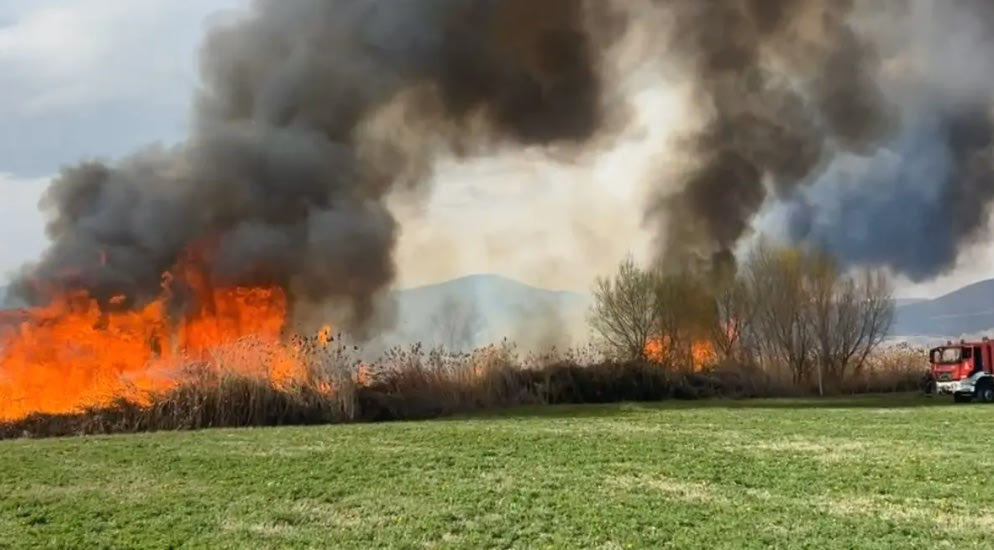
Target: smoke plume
[(293, 148), (779, 84), (872, 143), (915, 200), (864, 128)]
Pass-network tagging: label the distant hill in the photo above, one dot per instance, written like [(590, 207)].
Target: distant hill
[(901, 302), (481, 309), (967, 311)]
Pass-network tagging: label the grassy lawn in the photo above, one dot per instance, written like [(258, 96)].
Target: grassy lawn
[(865, 473)]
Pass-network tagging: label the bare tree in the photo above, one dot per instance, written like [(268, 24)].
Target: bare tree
[(624, 312), (875, 314), (685, 315), (776, 280), (850, 317), (829, 299), (732, 315), (786, 307), (813, 318)]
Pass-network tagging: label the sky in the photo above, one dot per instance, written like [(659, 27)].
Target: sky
[(86, 79), (99, 78)]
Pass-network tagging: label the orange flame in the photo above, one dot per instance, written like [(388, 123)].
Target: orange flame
[(71, 354), (702, 352)]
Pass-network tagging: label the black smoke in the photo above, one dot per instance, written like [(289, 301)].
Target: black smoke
[(872, 144), (780, 85), (911, 206), (914, 201), (284, 176), (312, 112)]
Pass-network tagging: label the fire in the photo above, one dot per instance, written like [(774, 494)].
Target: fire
[(702, 352), (72, 354)]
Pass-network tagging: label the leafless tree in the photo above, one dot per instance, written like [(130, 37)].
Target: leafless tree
[(732, 315), (850, 316), (624, 312), (828, 298), (875, 314), (811, 317), (685, 314), (785, 307), (776, 280)]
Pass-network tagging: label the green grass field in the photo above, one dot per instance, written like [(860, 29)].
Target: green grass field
[(866, 473)]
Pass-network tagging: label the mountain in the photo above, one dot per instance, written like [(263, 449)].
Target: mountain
[(482, 309), (967, 311), (901, 302)]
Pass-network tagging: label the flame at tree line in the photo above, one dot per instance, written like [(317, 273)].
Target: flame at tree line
[(73, 354), (702, 352)]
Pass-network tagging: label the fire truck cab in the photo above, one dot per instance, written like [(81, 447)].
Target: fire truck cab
[(965, 370)]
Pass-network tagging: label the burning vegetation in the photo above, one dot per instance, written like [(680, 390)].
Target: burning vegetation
[(784, 310), (276, 201), (702, 353), (311, 114), (75, 353)]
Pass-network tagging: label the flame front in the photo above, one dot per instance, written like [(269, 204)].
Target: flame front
[(702, 352), (71, 354)]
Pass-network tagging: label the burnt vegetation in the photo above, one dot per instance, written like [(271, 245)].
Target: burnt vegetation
[(787, 324), (292, 155)]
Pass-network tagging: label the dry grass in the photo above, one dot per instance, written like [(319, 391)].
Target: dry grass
[(893, 369), (416, 383)]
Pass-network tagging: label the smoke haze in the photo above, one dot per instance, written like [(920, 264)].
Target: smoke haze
[(780, 85), (320, 126), (921, 195), (284, 177)]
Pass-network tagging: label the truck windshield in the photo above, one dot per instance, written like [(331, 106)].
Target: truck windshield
[(945, 356)]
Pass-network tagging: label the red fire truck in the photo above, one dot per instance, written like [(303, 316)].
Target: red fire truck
[(965, 370)]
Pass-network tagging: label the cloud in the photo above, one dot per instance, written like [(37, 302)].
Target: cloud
[(66, 54), (88, 78)]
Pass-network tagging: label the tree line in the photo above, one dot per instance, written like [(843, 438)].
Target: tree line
[(783, 308)]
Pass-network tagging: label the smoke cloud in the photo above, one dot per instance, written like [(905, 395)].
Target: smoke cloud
[(920, 196), (865, 127), (294, 150), (779, 85)]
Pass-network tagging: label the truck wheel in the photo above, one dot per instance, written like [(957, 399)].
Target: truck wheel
[(985, 392), (962, 397)]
